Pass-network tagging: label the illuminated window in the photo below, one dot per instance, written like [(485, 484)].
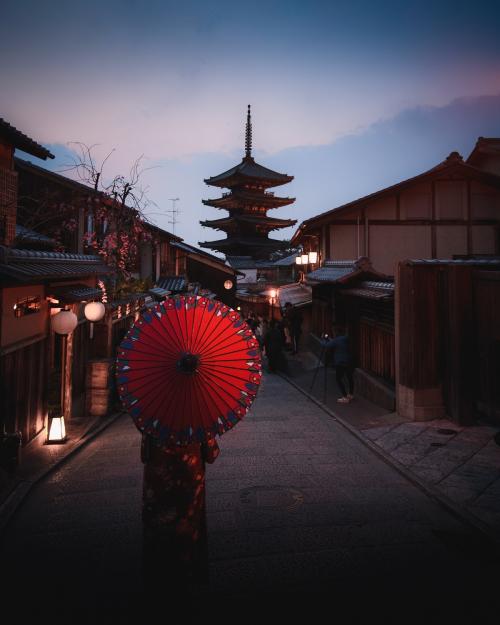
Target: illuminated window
[(26, 306)]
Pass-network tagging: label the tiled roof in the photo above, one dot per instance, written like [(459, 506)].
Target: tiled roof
[(21, 141), (372, 290), (76, 293), (332, 271), (30, 265), (26, 235), (159, 293), (194, 250), (174, 284), (297, 294), (248, 168), (479, 262)]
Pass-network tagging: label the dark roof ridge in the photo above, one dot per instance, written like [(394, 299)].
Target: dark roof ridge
[(22, 142)]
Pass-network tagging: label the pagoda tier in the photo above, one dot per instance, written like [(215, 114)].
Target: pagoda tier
[(238, 222), (247, 202), (256, 247), (241, 198)]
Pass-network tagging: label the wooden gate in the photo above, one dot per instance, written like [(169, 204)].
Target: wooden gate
[(486, 304), (22, 399)]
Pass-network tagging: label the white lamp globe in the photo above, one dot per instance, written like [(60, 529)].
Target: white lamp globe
[(228, 284), (64, 322), (94, 311)]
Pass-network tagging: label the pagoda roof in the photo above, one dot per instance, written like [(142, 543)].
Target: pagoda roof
[(271, 222), (246, 171), (242, 197), (243, 241)]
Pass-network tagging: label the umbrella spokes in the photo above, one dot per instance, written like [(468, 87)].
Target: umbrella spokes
[(188, 363)]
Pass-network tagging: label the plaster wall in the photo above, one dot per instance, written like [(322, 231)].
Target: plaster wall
[(450, 240), (16, 329), (416, 203), (385, 208), (485, 202), (344, 241), (483, 240), (451, 199), (390, 244)]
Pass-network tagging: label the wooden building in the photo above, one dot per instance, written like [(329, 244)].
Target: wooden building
[(38, 367), (448, 339), (452, 209), (247, 202)]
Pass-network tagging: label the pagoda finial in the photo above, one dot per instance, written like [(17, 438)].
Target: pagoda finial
[(248, 135)]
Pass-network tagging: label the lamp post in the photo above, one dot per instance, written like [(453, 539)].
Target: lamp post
[(272, 293)]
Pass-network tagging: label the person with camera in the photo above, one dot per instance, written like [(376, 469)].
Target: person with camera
[(342, 361)]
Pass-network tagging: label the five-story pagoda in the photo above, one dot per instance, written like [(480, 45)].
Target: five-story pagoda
[(247, 226)]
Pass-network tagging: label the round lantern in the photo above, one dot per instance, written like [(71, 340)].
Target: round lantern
[(64, 322), (228, 284), (94, 311)]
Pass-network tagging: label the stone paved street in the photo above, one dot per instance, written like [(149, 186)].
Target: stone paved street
[(460, 463), (306, 525)]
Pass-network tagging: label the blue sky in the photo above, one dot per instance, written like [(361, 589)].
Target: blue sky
[(348, 97)]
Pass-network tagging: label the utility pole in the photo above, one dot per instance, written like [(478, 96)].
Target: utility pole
[(174, 212)]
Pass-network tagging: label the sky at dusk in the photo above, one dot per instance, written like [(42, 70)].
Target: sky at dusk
[(348, 97)]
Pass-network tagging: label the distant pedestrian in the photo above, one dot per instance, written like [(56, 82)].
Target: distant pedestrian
[(294, 320), (274, 344), (343, 363)]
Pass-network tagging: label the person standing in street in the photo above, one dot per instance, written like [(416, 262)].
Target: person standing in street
[(343, 363)]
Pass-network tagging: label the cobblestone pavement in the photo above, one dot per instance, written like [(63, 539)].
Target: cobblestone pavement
[(462, 464), (304, 516), (306, 525)]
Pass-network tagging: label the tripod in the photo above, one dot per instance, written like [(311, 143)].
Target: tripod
[(322, 359)]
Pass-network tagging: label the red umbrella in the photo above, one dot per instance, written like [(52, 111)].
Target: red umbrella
[(188, 369)]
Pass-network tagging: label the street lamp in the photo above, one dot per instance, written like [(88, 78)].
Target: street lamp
[(273, 294)]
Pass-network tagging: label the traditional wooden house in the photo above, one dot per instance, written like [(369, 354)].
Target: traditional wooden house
[(452, 209), (210, 272), (38, 368)]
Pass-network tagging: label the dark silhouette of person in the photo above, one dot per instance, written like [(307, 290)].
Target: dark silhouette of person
[(343, 363), (294, 320), (274, 344)]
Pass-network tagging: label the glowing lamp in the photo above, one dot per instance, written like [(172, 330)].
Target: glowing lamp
[(272, 293), (64, 322), (298, 260), (94, 311), (228, 284), (56, 430), (305, 259), (313, 257)]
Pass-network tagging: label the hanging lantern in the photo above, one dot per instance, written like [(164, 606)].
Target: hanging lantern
[(305, 258), (228, 284), (64, 322), (56, 430), (313, 257), (94, 311), (298, 260)]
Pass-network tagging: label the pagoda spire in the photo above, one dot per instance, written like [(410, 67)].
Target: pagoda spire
[(248, 135)]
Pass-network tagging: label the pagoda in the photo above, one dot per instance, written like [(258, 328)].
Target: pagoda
[(247, 226)]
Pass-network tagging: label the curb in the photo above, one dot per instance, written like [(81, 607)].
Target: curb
[(455, 509), (9, 507)]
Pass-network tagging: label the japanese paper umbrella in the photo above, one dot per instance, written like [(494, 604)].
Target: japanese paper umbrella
[(188, 369)]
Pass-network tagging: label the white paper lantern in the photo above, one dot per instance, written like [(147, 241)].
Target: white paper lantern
[(313, 258), (64, 322), (228, 284), (305, 259), (298, 260), (94, 311)]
